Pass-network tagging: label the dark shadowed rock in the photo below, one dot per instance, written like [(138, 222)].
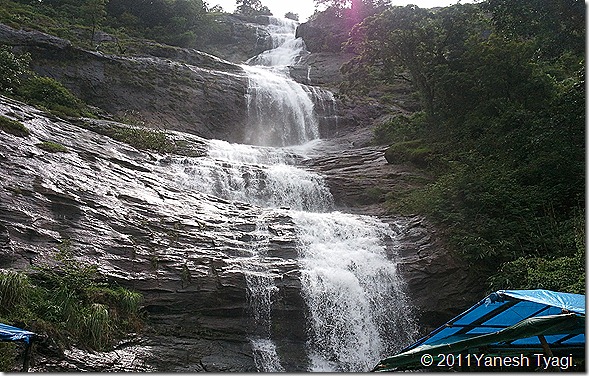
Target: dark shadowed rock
[(164, 90), (244, 37)]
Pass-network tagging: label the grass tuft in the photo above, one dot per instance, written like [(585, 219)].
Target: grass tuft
[(97, 326), (14, 289), (52, 147), (13, 127)]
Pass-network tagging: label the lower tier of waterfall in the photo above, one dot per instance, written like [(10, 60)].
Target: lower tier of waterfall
[(356, 304)]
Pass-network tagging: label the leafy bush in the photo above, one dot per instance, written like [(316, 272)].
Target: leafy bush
[(68, 301), (416, 152), (13, 127), (144, 138), (12, 69), (49, 93), (14, 290), (18, 80), (8, 354)]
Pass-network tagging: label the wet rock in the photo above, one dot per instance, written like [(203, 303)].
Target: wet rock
[(440, 285), (184, 251), (244, 37)]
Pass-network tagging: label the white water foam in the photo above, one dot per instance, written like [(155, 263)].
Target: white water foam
[(260, 176), (357, 306), (280, 111)]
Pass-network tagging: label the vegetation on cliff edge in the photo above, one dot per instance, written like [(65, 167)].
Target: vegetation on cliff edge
[(501, 129), (66, 303)]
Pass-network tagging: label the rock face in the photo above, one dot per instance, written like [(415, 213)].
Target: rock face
[(244, 38), (171, 88), (124, 211), (189, 253)]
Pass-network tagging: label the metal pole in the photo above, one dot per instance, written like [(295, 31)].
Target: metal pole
[(27, 358)]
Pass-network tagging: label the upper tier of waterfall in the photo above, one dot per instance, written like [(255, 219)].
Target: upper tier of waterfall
[(281, 111)]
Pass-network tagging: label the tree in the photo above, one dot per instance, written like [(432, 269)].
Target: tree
[(411, 43), (292, 16), (401, 38), (12, 69), (555, 25), (252, 8), (93, 13), (217, 9)]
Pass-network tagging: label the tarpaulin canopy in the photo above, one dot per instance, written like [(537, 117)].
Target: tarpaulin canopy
[(507, 321), (11, 333)]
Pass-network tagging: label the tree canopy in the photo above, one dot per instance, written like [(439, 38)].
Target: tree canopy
[(501, 87), (252, 7)]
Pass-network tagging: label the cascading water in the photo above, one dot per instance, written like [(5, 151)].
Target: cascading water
[(281, 112), (352, 290), (357, 311)]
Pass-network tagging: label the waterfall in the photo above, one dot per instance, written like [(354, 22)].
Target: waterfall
[(352, 289), (260, 176), (286, 50), (260, 293), (280, 111), (357, 311)]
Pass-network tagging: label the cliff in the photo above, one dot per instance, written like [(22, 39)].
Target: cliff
[(127, 212)]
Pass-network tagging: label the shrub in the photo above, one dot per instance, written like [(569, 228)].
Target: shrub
[(12, 69), (68, 302), (14, 289), (400, 128), (129, 302), (144, 138), (8, 354), (52, 147), (49, 93), (416, 152), (97, 326), (13, 127)]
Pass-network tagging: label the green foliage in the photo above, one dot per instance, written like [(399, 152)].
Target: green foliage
[(400, 128), (335, 23), (52, 147), (143, 138), (554, 27), (13, 127), (503, 132), (252, 8), (97, 326), (14, 289), (8, 354), (68, 300), (49, 93), (18, 80), (184, 23), (12, 69), (564, 273), (414, 151), (412, 43)]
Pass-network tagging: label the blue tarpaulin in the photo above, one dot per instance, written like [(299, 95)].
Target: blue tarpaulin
[(11, 333), (506, 320)]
